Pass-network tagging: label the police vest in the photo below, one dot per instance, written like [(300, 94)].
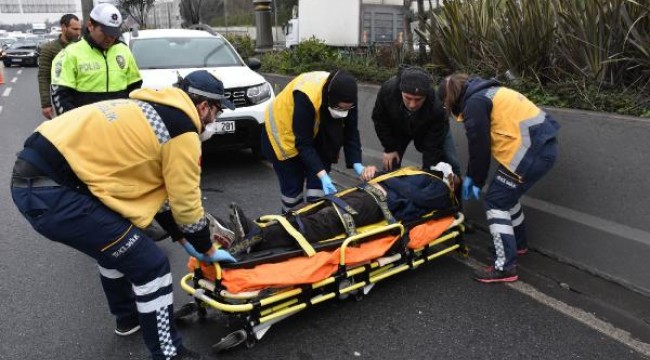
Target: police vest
[(86, 69), (279, 114)]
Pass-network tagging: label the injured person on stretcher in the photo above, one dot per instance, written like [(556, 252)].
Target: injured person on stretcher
[(404, 195)]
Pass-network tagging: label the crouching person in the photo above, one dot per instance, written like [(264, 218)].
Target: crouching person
[(503, 124), (94, 177)]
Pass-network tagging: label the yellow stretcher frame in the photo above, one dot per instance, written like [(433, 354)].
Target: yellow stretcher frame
[(260, 312)]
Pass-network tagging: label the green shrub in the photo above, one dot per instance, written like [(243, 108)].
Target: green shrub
[(244, 45)]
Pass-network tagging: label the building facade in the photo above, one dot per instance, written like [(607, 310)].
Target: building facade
[(36, 11)]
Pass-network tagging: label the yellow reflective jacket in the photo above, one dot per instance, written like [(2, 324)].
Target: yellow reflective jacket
[(279, 114), (93, 74), (143, 158)]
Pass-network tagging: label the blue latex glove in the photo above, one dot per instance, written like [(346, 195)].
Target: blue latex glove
[(219, 256), (358, 168), (470, 190), (328, 186), (191, 250)]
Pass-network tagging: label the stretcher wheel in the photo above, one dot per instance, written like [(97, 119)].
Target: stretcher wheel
[(203, 312), (250, 342), (230, 341), (186, 310)]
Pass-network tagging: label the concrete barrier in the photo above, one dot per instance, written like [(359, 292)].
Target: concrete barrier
[(592, 210)]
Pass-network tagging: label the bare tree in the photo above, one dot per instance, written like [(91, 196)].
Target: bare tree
[(137, 9), (190, 12)]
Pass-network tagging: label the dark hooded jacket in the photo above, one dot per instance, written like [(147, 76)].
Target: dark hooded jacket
[(395, 127)]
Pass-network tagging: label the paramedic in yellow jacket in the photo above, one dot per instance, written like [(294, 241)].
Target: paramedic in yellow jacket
[(503, 124), (94, 177), (305, 127), (98, 67)]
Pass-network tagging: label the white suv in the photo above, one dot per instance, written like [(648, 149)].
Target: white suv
[(164, 54)]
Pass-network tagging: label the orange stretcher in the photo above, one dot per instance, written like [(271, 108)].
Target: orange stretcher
[(266, 288)]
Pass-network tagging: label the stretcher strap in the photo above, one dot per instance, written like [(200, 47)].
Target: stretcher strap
[(346, 219), (300, 239), (380, 199), (339, 203)]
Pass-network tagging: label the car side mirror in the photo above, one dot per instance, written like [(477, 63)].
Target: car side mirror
[(254, 63)]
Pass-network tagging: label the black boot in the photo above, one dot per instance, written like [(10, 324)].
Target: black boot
[(247, 232)]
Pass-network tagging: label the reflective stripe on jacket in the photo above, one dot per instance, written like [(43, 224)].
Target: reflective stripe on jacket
[(279, 114), (88, 69), (512, 126), (133, 157)]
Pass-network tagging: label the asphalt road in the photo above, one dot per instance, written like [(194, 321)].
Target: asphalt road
[(52, 305)]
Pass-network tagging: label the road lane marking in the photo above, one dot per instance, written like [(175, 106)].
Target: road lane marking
[(14, 79), (595, 222), (575, 313), (6, 92), (0, 109), (19, 72)]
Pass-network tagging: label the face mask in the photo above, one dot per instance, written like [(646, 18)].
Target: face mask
[(338, 114), (210, 129)]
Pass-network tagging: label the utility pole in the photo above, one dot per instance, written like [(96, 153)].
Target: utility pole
[(86, 7)]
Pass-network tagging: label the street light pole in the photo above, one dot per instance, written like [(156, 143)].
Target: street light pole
[(275, 22)]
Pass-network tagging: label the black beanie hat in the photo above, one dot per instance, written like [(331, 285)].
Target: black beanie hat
[(415, 80), (342, 88)]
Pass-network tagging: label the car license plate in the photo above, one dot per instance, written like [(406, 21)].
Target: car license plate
[(225, 127), (16, 60)]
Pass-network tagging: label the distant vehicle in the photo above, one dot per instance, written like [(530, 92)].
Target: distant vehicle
[(39, 28), (346, 23), (23, 52), (164, 54)]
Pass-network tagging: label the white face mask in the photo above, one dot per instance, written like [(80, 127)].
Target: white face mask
[(338, 114), (210, 129)]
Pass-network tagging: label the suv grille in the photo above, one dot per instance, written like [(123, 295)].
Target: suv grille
[(238, 97)]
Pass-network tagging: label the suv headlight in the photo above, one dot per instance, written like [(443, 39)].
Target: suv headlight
[(258, 94)]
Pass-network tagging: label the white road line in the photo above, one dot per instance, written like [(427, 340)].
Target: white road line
[(19, 72), (0, 109), (7, 92), (580, 315), (14, 79), (604, 225)]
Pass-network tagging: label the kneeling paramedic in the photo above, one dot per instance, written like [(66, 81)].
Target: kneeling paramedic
[(94, 177), (305, 127)]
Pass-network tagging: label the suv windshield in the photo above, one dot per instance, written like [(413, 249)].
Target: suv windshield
[(174, 53)]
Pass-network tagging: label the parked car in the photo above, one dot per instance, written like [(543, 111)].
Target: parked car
[(164, 54), (22, 52), (4, 44)]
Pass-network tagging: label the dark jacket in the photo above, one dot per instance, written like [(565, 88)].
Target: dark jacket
[(427, 127), (47, 53), (411, 197)]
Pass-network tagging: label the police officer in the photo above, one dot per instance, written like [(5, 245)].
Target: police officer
[(94, 177), (99, 67), (503, 124), (306, 126)]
